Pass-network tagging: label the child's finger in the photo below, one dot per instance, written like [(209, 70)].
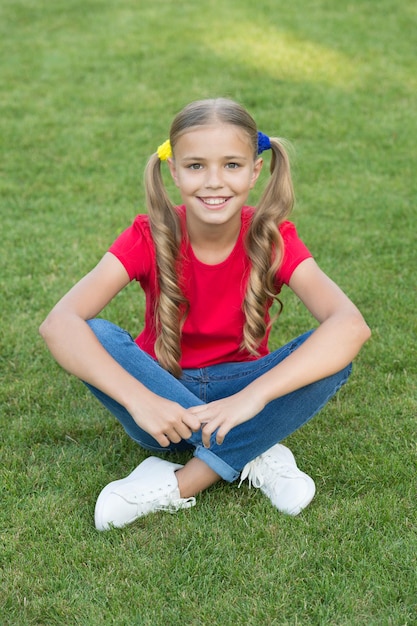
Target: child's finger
[(195, 410)]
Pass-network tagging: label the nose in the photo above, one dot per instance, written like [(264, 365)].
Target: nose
[(214, 178)]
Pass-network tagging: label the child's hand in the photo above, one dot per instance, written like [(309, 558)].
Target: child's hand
[(164, 420), (225, 414)]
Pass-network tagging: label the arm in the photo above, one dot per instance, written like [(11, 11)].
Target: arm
[(341, 333), (76, 348)]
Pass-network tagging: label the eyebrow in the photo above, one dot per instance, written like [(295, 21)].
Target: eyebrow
[(226, 158)]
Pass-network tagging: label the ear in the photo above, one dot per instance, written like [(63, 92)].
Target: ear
[(257, 168), (173, 170)]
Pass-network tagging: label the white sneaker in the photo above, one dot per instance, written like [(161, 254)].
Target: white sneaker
[(152, 486), (276, 474)]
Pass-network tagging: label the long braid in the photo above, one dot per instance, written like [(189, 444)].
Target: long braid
[(264, 246), (166, 233)]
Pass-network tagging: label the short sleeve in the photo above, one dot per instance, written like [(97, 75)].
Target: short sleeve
[(295, 251), (135, 250)]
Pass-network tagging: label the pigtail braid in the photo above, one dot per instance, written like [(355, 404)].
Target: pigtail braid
[(264, 246), (166, 232)]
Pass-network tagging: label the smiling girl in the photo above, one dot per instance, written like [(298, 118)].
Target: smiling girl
[(199, 376)]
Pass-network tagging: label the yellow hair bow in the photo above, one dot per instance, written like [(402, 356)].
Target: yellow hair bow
[(164, 150)]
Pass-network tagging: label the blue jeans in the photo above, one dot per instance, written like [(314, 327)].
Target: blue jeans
[(275, 422)]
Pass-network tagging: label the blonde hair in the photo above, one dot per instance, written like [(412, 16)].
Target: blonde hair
[(263, 241)]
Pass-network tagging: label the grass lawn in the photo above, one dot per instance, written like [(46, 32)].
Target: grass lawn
[(88, 91)]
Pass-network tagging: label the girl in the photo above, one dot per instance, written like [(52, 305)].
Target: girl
[(199, 377)]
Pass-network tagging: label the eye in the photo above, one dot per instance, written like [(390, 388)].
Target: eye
[(232, 166), (195, 166)]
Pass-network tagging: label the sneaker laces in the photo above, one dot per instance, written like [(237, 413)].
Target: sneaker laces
[(256, 471), (174, 505), (161, 499)]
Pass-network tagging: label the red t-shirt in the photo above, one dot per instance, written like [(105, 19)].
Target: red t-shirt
[(213, 330)]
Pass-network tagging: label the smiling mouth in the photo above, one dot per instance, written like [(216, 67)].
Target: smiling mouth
[(214, 202)]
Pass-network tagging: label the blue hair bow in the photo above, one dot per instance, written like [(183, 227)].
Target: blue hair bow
[(263, 142)]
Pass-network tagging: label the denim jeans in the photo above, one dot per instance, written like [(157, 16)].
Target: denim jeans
[(275, 422)]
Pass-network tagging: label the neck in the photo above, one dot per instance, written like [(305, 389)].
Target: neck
[(213, 244)]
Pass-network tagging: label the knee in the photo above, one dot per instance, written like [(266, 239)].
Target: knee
[(344, 374), (106, 331), (98, 326)]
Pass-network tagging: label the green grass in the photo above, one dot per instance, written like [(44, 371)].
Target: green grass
[(88, 90)]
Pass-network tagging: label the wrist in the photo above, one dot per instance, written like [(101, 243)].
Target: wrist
[(261, 391), (133, 395), (252, 396)]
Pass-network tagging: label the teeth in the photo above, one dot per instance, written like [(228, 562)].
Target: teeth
[(214, 201)]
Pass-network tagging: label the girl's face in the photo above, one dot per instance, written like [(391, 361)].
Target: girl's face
[(214, 169)]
